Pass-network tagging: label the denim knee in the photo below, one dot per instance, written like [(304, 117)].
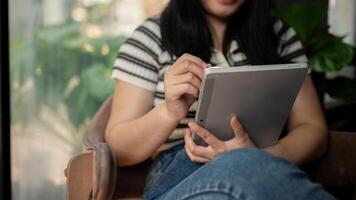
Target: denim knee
[(247, 174), (241, 160), (245, 154), (255, 172), (252, 158), (233, 175), (250, 167)]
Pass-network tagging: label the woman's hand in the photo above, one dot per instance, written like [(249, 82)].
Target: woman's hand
[(216, 147), (182, 84)]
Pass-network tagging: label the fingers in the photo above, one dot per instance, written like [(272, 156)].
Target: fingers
[(185, 88), (241, 136), (237, 127), (184, 77), (190, 63), (190, 148), (197, 150), (191, 58), (187, 78), (188, 66), (188, 139), (209, 138), (193, 157)]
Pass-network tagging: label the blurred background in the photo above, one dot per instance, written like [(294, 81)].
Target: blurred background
[(61, 54)]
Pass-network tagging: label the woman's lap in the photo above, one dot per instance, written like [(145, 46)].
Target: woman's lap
[(240, 174)]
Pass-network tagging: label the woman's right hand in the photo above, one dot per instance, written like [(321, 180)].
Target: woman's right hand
[(182, 84)]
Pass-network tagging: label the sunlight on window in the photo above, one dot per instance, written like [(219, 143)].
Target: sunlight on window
[(79, 14), (342, 19), (61, 58)]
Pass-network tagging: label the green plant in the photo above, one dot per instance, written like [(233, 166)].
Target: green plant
[(77, 69), (60, 74), (326, 52), (64, 74)]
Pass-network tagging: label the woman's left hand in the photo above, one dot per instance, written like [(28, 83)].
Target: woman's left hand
[(216, 147)]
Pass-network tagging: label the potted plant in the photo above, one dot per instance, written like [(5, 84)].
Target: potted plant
[(326, 53)]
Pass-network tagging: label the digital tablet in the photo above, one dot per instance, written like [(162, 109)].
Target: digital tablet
[(260, 96)]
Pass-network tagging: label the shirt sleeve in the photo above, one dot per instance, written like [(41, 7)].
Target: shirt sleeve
[(290, 47), (137, 60)]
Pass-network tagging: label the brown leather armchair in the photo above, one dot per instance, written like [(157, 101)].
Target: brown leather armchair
[(95, 175)]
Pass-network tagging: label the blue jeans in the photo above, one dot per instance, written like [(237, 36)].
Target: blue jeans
[(239, 174)]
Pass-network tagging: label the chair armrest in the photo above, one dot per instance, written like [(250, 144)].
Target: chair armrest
[(79, 173), (95, 133), (338, 166), (105, 173), (92, 174)]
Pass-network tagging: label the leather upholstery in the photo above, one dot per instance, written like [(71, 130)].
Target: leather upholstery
[(338, 165), (79, 185)]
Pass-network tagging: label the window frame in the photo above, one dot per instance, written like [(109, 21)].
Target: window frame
[(5, 155)]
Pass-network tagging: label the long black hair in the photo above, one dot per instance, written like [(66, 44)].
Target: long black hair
[(185, 29)]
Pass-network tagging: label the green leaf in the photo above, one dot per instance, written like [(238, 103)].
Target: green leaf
[(55, 61), (96, 79), (95, 86), (326, 52), (329, 53), (305, 19), (55, 33)]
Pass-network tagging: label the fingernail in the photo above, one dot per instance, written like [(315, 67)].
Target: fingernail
[(234, 118), (191, 125)]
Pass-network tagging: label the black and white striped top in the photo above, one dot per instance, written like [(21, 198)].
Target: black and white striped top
[(142, 61)]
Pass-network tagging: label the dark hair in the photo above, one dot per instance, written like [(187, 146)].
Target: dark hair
[(185, 29)]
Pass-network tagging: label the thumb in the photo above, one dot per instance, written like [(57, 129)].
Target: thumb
[(237, 127)]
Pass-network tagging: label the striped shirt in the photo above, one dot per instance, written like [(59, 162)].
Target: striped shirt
[(142, 61)]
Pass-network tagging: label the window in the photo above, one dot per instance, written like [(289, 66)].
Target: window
[(5, 186), (61, 54), (342, 20)]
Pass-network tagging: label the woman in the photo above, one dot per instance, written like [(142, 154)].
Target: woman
[(159, 71)]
